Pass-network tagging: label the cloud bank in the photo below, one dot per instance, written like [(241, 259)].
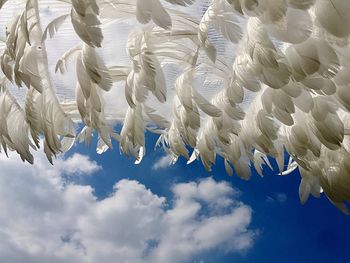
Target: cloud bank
[(47, 219)]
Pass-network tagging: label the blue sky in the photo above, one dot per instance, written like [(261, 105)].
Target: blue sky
[(286, 230), (99, 208)]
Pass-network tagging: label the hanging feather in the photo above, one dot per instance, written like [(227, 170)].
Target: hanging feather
[(53, 27)]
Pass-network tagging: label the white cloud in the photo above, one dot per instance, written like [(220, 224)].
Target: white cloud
[(162, 162), (77, 164), (43, 219), (189, 233)]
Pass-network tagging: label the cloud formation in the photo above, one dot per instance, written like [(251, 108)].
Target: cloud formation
[(77, 164), (45, 219), (162, 162)]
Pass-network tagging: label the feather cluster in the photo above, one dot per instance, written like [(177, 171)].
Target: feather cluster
[(242, 80)]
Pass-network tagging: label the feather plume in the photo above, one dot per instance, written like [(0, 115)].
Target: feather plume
[(240, 80)]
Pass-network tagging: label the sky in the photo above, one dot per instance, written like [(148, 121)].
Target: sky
[(103, 208)]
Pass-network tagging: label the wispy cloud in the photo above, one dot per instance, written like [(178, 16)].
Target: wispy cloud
[(47, 220), (277, 197), (281, 197), (163, 162)]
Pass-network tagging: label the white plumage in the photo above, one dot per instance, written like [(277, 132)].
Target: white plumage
[(237, 80)]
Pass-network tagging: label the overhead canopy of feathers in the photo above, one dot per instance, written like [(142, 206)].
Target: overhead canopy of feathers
[(236, 81)]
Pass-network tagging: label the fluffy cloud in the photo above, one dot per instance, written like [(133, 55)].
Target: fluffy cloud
[(44, 219), (162, 162), (77, 165)]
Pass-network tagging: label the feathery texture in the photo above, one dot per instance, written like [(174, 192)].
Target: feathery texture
[(236, 81)]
